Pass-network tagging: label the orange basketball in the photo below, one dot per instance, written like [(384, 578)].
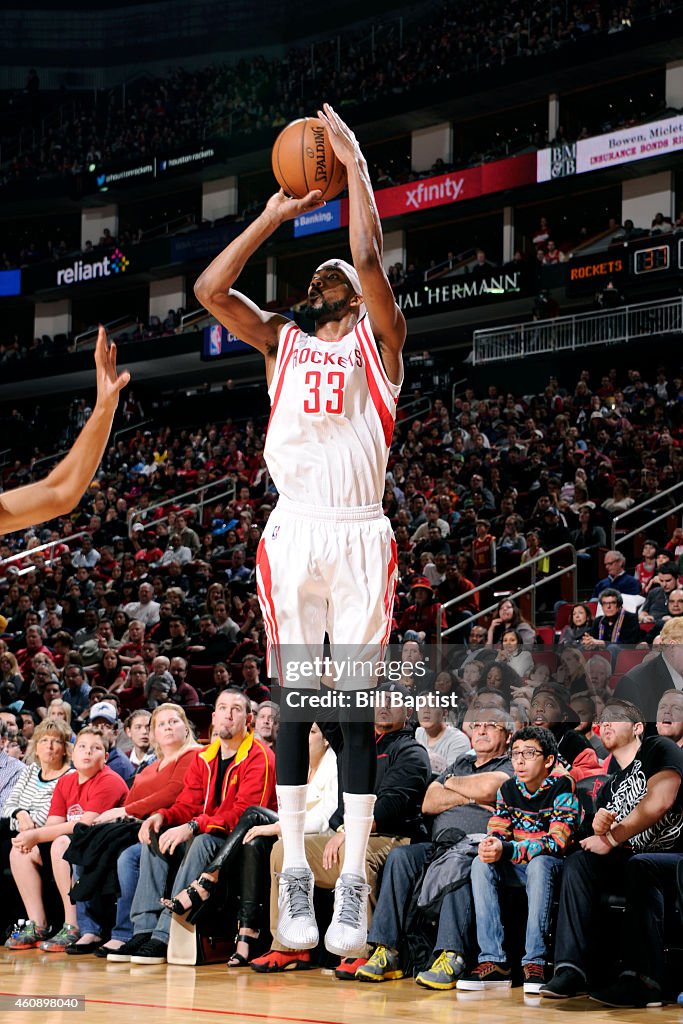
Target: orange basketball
[(303, 159)]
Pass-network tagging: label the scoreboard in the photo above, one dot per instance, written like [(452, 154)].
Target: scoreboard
[(634, 263)]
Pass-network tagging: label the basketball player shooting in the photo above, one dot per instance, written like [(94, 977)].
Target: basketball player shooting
[(327, 562), (65, 485)]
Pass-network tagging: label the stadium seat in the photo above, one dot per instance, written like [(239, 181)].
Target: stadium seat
[(546, 635), (627, 659), (563, 616)]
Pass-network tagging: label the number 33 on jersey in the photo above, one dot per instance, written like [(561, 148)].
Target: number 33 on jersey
[(337, 395)]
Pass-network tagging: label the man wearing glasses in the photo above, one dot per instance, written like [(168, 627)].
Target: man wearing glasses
[(616, 577), (537, 814), (461, 800), (635, 848), (615, 626)]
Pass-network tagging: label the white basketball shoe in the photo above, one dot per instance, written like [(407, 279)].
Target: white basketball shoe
[(296, 926), (348, 931)]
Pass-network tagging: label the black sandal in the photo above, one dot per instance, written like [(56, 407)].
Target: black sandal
[(196, 901), (238, 958)]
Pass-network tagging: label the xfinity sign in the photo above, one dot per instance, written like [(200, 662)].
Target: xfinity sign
[(79, 271)]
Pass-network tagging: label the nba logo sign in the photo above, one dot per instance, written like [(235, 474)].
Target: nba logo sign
[(215, 340), (276, 530)]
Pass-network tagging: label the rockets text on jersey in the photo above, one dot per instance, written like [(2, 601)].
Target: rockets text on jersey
[(332, 418)]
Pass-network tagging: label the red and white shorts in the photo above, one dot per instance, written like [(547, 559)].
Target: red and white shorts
[(326, 570)]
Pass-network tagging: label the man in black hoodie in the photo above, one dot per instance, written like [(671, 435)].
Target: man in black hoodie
[(403, 774)]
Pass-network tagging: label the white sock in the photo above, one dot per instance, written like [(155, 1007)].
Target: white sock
[(291, 809), (358, 814)]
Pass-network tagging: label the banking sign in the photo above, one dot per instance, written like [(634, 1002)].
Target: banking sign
[(623, 147), (327, 218)]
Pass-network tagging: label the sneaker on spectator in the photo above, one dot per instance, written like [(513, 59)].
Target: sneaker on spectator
[(346, 971), (629, 991), (26, 935), (565, 984), (65, 937), (277, 960), (348, 931), (296, 924), (534, 978), (444, 972), (383, 965), (153, 951), (486, 975), (123, 954)]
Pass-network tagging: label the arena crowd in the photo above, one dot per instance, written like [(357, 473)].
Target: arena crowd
[(137, 715)]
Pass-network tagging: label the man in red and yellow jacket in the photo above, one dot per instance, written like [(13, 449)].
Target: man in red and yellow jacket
[(234, 772)]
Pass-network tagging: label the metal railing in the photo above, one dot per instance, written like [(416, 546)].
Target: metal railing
[(138, 514), (638, 508), (194, 319), (23, 556), (651, 522), (535, 585), (48, 458), (87, 338), (566, 333), (128, 429)]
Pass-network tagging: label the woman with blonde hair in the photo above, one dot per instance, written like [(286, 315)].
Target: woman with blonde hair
[(48, 756), (154, 788), (61, 710), (214, 594), (9, 670)]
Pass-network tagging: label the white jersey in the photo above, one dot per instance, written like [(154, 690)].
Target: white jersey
[(332, 418)]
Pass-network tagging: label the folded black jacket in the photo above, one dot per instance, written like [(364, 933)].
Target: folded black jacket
[(96, 849)]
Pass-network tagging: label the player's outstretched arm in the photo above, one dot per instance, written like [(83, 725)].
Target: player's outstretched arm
[(365, 237), (61, 490), (213, 288)]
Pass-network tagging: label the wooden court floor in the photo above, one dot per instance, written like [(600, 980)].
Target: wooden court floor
[(118, 993)]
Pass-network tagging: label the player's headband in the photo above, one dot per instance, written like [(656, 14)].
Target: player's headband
[(349, 273)]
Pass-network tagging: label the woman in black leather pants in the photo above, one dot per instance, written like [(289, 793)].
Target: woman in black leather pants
[(248, 859)]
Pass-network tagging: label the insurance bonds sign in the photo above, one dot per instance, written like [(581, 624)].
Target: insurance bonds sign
[(623, 147)]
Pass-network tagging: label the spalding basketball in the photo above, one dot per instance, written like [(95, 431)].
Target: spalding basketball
[(303, 159)]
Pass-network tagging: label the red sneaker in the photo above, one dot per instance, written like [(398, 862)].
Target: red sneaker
[(276, 960), (346, 970)]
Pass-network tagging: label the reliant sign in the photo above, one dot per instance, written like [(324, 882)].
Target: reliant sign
[(622, 147), (82, 270)]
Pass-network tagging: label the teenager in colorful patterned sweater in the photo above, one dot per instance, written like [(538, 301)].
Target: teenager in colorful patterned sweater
[(537, 815)]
